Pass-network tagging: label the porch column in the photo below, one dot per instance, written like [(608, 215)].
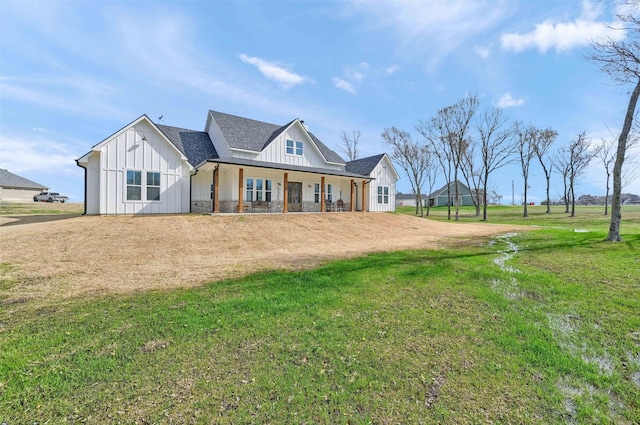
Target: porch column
[(322, 204), (352, 197), (240, 189), (364, 196), (216, 187), (285, 203)]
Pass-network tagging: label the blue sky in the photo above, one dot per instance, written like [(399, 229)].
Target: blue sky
[(72, 73)]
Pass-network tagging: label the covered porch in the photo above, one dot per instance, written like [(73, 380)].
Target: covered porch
[(237, 186)]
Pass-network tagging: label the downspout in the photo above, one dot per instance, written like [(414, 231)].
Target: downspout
[(85, 187), (356, 196), (191, 190)]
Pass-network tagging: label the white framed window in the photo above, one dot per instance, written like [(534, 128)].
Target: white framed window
[(383, 195), (329, 193), (316, 193), (153, 186), (258, 189), (136, 185), (293, 147)]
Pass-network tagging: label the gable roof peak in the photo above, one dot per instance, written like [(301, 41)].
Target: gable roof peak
[(253, 135)]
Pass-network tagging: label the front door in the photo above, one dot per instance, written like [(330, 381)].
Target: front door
[(294, 198)]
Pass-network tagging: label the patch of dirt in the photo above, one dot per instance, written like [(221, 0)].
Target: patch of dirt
[(95, 255)]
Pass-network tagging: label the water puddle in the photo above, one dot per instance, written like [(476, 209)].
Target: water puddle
[(569, 332)]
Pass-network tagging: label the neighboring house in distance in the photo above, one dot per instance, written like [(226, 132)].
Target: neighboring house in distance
[(409, 199), (235, 165), (447, 193), (14, 188)]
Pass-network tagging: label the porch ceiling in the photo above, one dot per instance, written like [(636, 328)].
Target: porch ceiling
[(287, 167)]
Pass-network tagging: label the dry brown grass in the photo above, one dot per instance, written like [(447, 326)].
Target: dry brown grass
[(56, 257)]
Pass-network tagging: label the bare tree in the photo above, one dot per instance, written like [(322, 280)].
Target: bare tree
[(350, 144), (432, 175), (606, 155), (562, 163), (542, 142), (449, 131), (411, 156), (441, 149), (621, 60), (525, 147), (578, 156), (497, 147), (471, 171)]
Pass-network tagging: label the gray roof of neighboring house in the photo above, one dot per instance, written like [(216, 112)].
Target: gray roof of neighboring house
[(286, 167), (400, 196), (442, 189), (10, 180), (364, 166), (252, 135), (196, 145)]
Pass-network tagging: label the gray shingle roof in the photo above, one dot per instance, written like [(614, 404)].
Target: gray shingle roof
[(10, 180), (402, 196), (439, 192), (252, 135), (364, 166), (196, 145)]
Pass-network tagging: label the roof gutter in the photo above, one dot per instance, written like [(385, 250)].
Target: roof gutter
[(85, 186)]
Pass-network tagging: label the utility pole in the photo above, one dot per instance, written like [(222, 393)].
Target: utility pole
[(513, 198)]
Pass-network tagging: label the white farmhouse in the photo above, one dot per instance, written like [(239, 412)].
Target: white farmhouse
[(236, 165)]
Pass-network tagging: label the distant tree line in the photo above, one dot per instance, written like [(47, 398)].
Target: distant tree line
[(463, 141)]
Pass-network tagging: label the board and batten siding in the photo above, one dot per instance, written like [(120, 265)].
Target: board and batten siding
[(128, 151), (276, 151), (383, 177)]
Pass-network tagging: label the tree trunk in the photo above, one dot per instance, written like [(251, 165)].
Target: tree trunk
[(548, 198), (455, 177), (606, 197), (616, 213), (526, 212), (484, 196), (566, 197)]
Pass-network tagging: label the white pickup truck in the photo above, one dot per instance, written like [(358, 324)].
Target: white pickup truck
[(50, 197)]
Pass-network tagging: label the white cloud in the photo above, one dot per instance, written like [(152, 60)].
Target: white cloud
[(563, 36), (483, 52), (343, 85), (354, 75), (436, 27), (275, 71), (34, 154), (390, 70), (508, 101)]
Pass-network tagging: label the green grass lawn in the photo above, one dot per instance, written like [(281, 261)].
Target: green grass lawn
[(540, 327)]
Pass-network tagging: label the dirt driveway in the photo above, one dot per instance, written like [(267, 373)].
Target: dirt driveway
[(62, 256)]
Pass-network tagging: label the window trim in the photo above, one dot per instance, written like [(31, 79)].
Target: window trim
[(293, 147), (266, 189), (143, 186), (128, 185), (147, 185), (383, 195)]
